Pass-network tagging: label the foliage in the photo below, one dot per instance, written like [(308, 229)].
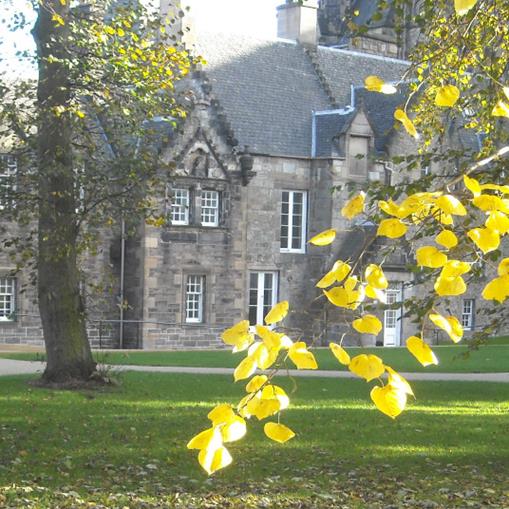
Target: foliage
[(455, 81), (124, 447)]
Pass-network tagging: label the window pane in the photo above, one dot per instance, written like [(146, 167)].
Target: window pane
[(8, 168), (194, 298), (7, 296), (358, 159), (293, 217), (210, 208), (180, 206)]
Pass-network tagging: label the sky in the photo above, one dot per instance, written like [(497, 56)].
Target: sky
[(256, 17)]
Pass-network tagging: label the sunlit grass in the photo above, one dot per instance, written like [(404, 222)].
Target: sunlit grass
[(134, 437), (452, 359)]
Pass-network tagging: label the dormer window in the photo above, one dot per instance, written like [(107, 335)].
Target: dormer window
[(358, 155)]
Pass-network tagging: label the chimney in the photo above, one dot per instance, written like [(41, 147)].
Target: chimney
[(177, 17), (298, 21)]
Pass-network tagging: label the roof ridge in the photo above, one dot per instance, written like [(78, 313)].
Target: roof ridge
[(312, 56)]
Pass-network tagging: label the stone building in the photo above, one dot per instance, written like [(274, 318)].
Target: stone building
[(276, 124)]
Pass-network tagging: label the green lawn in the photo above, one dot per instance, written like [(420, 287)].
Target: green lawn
[(126, 447), (453, 359)]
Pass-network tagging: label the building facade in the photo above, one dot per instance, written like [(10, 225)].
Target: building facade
[(275, 126)]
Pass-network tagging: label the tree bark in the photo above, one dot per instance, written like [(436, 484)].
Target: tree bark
[(61, 308)]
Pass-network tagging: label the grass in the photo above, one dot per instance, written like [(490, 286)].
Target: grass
[(126, 447), (453, 359)]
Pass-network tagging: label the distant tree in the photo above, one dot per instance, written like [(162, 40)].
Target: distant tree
[(455, 218), (105, 70)]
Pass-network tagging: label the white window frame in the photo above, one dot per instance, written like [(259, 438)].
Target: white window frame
[(7, 298), (194, 298), (210, 208), (291, 221), (467, 314), (6, 177), (260, 294), (178, 207)]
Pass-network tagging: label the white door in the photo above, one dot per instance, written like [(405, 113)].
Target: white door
[(262, 295), (392, 320)]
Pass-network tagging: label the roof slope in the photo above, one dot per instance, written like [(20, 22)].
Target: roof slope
[(270, 88)]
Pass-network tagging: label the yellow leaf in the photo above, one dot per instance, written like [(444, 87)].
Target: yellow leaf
[(389, 400), (472, 185), (238, 336), (455, 268), (210, 438), (392, 228), (368, 324), (271, 339), (354, 206), (221, 414), (450, 286), (214, 459), (343, 298), (338, 272), (263, 408), (275, 392), (430, 256), (367, 366), (278, 432), (450, 324), (450, 205), (400, 115), (245, 369), (340, 353), (396, 380), (488, 202), (376, 84), (503, 267), (375, 277), (324, 238), (506, 91), (277, 313), (375, 293), (501, 109), (497, 221), (56, 17), (447, 238), (485, 239), (301, 357), (234, 430), (393, 209), (463, 6), (447, 96), (256, 383), (421, 351), (497, 289)]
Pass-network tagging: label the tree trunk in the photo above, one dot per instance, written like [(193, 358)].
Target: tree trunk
[(62, 312)]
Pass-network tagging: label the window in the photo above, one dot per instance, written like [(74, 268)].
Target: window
[(293, 221), (194, 298), (8, 168), (180, 206), (359, 146), (262, 295), (467, 314), (7, 298), (209, 208)]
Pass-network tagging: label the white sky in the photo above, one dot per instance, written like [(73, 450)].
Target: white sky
[(256, 17)]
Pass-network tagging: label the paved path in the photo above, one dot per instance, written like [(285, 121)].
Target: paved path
[(11, 367)]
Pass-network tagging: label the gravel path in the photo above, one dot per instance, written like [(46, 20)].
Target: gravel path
[(12, 367)]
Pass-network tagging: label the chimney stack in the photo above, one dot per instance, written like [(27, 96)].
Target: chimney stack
[(298, 22)]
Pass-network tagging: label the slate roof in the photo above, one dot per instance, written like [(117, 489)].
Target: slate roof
[(270, 88), (327, 126)]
